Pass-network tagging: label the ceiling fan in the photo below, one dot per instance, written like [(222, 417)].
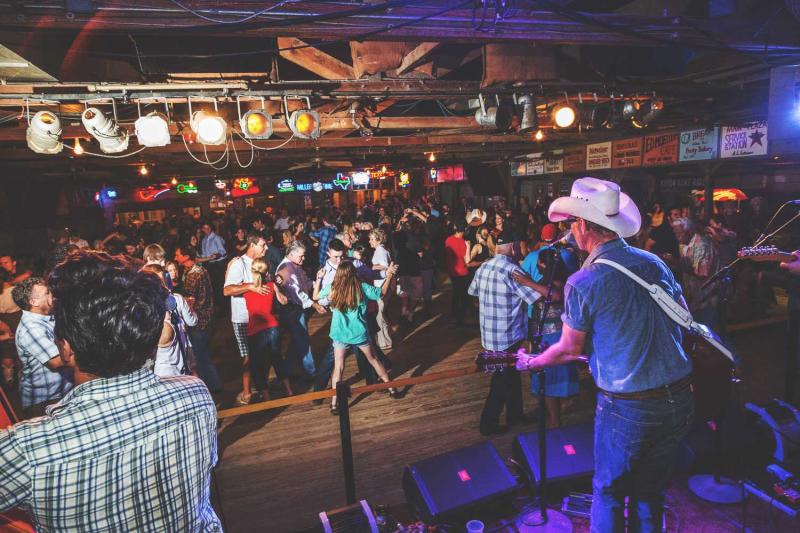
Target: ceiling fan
[(319, 162)]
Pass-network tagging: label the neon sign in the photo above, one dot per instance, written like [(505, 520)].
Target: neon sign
[(360, 179), (110, 193), (186, 188), (316, 186), (244, 187), (342, 181), (286, 185), (220, 184), (152, 192), (405, 179), (434, 173)]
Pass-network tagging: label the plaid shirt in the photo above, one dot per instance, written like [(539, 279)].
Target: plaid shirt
[(197, 284), (35, 347), (325, 234), (504, 319), (128, 453)]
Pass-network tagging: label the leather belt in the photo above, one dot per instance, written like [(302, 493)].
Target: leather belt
[(649, 394)]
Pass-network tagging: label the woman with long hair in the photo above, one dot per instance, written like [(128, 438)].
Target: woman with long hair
[(263, 336), (348, 302)]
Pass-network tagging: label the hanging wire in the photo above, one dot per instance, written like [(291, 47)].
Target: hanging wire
[(200, 160), (236, 155), (257, 147), (244, 19), (226, 154), (107, 156)]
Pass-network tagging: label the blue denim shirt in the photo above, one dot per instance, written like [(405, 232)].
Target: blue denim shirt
[(633, 345)]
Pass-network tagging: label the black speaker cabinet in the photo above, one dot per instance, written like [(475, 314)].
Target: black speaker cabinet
[(469, 480), (570, 452)]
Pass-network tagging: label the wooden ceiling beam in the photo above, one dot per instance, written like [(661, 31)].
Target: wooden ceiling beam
[(314, 60), (417, 56)]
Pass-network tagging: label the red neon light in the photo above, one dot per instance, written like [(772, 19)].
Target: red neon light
[(236, 192), (570, 449), (152, 192), (463, 475)]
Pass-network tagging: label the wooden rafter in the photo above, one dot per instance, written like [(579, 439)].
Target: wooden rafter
[(417, 56), (314, 60)]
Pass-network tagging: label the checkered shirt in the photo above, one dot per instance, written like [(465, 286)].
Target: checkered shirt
[(128, 453), (35, 347), (325, 235), (503, 313)]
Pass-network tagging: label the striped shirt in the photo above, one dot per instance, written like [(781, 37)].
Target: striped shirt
[(128, 453), (502, 300), (35, 347)]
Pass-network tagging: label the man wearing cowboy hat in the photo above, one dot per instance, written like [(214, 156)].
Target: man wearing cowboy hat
[(645, 404)]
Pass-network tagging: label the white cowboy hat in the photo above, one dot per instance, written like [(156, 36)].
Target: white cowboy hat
[(476, 213), (601, 202)]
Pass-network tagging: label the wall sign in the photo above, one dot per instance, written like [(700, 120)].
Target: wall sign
[(699, 145), (220, 184), (745, 141), (660, 149), (534, 167), (360, 179), (626, 153), (598, 156), (244, 187), (405, 179), (186, 188), (554, 166), (286, 185), (151, 192), (342, 181), (518, 168), (575, 159), (315, 186)]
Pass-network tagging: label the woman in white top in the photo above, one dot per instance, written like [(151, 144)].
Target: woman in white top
[(380, 262)]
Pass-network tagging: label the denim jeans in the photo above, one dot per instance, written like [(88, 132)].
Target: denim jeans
[(295, 320), (635, 444), (205, 368), (460, 297), (264, 349), (325, 368)]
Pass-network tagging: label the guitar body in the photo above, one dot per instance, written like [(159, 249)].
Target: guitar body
[(711, 377)]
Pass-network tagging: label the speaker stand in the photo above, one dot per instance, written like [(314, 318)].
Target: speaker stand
[(723, 490), (533, 522)]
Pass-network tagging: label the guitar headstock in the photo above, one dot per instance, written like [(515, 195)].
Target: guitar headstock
[(764, 253)]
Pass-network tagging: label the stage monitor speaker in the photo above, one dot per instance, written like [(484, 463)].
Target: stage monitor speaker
[(569, 450), (446, 486)]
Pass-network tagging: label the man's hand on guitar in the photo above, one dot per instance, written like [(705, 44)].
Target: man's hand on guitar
[(793, 266), (524, 361)]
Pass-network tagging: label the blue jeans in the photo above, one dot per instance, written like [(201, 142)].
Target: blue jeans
[(205, 368), (635, 443), (294, 319), (264, 349), (325, 368)]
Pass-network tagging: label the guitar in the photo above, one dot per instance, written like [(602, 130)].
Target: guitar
[(765, 254), (492, 361)]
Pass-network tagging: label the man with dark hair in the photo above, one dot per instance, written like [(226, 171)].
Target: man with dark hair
[(199, 295), (44, 379), (9, 264), (456, 251), (323, 235), (124, 450)]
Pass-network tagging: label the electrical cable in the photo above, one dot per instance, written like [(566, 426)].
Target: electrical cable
[(257, 147), (236, 155), (198, 159), (85, 152), (244, 19), (226, 154)]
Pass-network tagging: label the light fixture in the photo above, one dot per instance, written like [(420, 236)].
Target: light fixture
[(77, 149), (256, 123), (564, 116), (111, 139), (304, 123), (595, 115), (44, 133), (432, 157), (152, 130), (209, 128), (629, 109), (539, 136), (143, 170), (174, 181), (496, 117), (529, 120), (648, 112)]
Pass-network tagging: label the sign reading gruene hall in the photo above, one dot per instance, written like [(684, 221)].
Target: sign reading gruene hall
[(699, 145), (598, 156), (745, 141), (660, 149), (627, 153)]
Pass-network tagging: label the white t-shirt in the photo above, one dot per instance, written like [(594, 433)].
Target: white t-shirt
[(168, 358), (381, 257), (7, 304), (239, 271), (282, 223)]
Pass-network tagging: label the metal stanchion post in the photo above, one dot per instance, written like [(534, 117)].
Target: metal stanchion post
[(342, 401)]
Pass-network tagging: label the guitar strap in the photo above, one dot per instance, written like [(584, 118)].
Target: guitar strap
[(673, 309)]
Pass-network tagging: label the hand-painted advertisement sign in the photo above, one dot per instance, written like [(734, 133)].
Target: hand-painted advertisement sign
[(745, 141), (660, 149), (699, 145), (626, 153), (598, 156)]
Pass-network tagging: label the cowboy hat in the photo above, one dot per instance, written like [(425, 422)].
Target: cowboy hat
[(478, 214), (601, 202)]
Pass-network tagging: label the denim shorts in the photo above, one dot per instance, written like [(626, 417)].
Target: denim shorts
[(344, 346)]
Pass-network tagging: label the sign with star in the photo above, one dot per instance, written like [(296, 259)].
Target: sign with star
[(744, 141)]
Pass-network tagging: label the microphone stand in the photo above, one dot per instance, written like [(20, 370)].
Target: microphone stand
[(544, 519)]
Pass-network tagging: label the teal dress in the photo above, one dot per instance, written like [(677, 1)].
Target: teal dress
[(559, 381), (350, 327)]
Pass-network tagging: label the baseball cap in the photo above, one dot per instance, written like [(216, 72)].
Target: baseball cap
[(549, 232)]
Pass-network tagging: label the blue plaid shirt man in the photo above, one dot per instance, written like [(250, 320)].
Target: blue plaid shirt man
[(128, 453), (325, 235), (35, 346), (503, 312)]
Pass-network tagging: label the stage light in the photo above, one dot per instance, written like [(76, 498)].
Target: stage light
[(595, 115), (564, 116), (256, 124), (105, 130), (143, 170), (208, 128), (432, 157), (77, 149), (44, 133), (152, 130), (647, 113), (529, 120), (629, 109), (304, 123), (495, 117), (539, 136)]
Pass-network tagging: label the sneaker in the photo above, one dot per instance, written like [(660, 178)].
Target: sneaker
[(241, 399)]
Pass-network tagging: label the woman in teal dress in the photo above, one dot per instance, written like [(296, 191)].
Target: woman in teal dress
[(559, 381)]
